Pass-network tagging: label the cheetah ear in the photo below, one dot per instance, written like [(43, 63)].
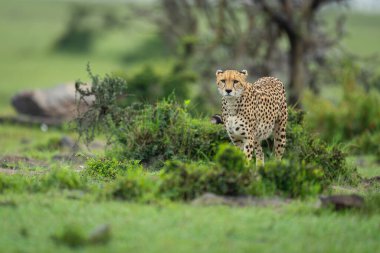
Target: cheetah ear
[(244, 72), (219, 71)]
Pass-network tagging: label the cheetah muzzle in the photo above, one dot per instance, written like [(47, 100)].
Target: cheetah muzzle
[(252, 112)]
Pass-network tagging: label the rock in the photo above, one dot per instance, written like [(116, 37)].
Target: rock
[(100, 235), (67, 142), (53, 103), (341, 202), (208, 199)]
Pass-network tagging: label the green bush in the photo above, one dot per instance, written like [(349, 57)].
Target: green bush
[(231, 158), (165, 131), (13, 183), (57, 178), (109, 168), (105, 113), (289, 178), (134, 185), (62, 178), (358, 112), (303, 146), (365, 143), (186, 181)]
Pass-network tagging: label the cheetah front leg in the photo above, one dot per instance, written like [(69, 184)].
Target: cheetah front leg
[(259, 153), (251, 145), (247, 147)]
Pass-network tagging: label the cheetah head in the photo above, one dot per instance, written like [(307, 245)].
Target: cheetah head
[(231, 83)]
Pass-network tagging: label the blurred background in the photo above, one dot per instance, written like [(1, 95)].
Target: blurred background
[(325, 51)]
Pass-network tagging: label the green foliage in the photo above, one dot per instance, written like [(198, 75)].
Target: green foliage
[(57, 178), (303, 146), (109, 168), (231, 175), (358, 112), (104, 112), (186, 181), (13, 183), (135, 185), (167, 130), (366, 143), (62, 178), (231, 158), (289, 178)]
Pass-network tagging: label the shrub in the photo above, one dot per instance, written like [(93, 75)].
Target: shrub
[(186, 181), (62, 178), (108, 168), (104, 113), (166, 131), (356, 113), (289, 178), (134, 185), (303, 146), (365, 143), (14, 183), (231, 158)]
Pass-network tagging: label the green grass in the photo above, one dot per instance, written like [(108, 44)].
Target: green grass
[(185, 228), (17, 139)]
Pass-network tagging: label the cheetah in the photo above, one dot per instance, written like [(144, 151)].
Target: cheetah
[(252, 112)]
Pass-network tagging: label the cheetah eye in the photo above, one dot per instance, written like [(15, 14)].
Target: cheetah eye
[(223, 81), (236, 81)]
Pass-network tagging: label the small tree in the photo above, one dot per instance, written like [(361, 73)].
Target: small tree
[(250, 34)]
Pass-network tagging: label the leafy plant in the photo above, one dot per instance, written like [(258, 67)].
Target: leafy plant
[(166, 131), (231, 158), (186, 181), (290, 178), (356, 113), (109, 168), (134, 185), (104, 112), (14, 183), (303, 146), (62, 178)]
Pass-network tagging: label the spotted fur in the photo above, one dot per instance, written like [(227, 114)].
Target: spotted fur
[(252, 112)]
